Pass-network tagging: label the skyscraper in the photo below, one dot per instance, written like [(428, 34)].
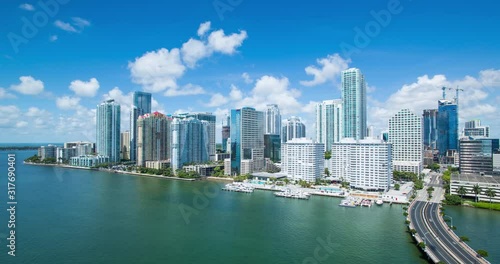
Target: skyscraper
[(141, 105), (354, 103), (293, 128), (272, 147), (211, 119), (108, 130), (329, 122), (447, 126), (405, 135), (125, 145), (153, 138), (476, 155), (273, 120), (247, 139), (430, 128), (303, 159), (189, 142), (474, 129)]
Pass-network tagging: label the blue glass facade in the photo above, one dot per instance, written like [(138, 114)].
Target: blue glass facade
[(447, 126), (141, 105), (430, 128), (235, 140)]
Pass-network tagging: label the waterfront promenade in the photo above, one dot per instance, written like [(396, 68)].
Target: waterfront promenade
[(442, 244)]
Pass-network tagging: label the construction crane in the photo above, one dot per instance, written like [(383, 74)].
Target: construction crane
[(456, 96), (456, 90)]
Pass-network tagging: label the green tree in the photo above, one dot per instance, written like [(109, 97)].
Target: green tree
[(413, 231), (462, 191), (327, 172), (483, 253), (396, 187), (490, 193), (450, 199), (421, 245), (476, 190), (464, 239), (286, 181), (328, 155)]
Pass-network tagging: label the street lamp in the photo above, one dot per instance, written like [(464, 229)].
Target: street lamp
[(451, 220)]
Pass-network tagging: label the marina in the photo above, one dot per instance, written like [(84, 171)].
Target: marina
[(238, 187), (293, 194)]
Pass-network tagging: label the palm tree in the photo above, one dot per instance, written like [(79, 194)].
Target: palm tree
[(476, 190), (490, 193), (462, 191)]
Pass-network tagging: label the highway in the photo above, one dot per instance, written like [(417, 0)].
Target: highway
[(439, 239)]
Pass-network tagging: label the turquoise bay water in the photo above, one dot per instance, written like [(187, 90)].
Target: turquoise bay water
[(80, 216)]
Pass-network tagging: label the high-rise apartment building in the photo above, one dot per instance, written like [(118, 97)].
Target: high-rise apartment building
[(302, 159), (475, 129), (272, 147), (247, 139), (211, 119), (125, 145), (405, 135), (365, 164), (141, 105), (226, 133), (108, 130), (476, 155), (354, 103), (190, 142), (293, 128), (272, 120), (447, 126), (329, 122), (430, 128), (153, 138)]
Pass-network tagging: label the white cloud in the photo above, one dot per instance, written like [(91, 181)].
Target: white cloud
[(157, 70), (21, 124), (235, 94), (65, 26), (8, 114), (5, 94), (53, 38), (85, 89), (194, 50), (246, 77), (67, 102), (80, 22), (226, 44), (27, 7), (188, 89), (331, 67), (28, 86), (217, 100), (490, 78), (204, 28), (35, 112)]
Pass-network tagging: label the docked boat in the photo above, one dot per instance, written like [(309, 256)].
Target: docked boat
[(347, 203), (235, 187), (293, 194), (379, 202)]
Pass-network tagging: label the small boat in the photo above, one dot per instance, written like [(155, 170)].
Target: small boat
[(379, 202)]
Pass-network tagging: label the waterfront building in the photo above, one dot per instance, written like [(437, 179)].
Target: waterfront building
[(430, 128), (227, 167), (353, 87), (476, 155), (64, 154), (329, 122), (189, 142), (272, 120), (247, 139), (45, 152), (108, 130), (468, 181), (365, 164), (211, 120), (157, 164), (272, 147), (292, 128), (405, 135), (246, 166), (447, 126), (84, 147), (88, 160), (204, 170), (141, 105), (302, 159), (125, 145), (153, 138), (474, 129), (226, 133)]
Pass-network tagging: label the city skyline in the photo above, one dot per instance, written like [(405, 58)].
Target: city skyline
[(238, 66)]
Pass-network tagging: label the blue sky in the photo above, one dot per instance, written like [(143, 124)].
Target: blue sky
[(247, 53)]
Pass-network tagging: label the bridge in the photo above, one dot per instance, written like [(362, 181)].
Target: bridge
[(441, 243)]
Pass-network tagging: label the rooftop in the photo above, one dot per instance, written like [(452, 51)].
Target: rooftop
[(475, 178)]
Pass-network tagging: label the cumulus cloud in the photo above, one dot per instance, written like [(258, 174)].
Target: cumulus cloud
[(8, 114), (68, 103), (27, 7), (217, 100), (5, 94), (157, 70), (193, 51), (330, 68), (235, 94), (188, 89), (35, 112), (21, 124), (246, 78), (204, 28), (28, 86), (85, 89), (490, 78), (226, 44)]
